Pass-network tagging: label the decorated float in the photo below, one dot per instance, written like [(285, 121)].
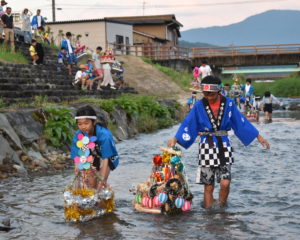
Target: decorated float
[(167, 190), (85, 199)]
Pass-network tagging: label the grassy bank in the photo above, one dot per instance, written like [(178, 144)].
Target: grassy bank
[(285, 87), (7, 56), (182, 79)]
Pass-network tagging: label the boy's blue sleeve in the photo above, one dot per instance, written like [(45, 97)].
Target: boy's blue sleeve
[(107, 143), (243, 129), (189, 128)]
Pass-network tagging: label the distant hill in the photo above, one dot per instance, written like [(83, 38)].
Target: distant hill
[(271, 27), (194, 44)]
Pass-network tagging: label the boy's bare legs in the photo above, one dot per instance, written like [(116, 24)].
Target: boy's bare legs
[(70, 69), (208, 196), (224, 191)]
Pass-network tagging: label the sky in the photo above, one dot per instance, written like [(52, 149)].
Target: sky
[(191, 13)]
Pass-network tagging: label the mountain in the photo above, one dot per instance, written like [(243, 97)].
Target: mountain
[(193, 44), (271, 27)]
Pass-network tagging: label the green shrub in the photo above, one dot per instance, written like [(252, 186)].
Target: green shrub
[(107, 105), (7, 56), (147, 124), (59, 126), (2, 103)]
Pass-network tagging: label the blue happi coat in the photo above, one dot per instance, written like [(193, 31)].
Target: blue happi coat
[(200, 119), (105, 142)]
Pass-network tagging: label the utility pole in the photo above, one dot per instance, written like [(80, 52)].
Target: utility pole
[(144, 3), (53, 10)]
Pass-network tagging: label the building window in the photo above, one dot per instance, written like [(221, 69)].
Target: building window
[(119, 42)]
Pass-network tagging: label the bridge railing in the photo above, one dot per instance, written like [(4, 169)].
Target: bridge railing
[(153, 51), (245, 50)]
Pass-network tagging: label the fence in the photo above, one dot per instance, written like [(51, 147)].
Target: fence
[(246, 50), (153, 51)]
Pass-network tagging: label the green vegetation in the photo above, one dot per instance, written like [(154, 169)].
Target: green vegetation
[(182, 79), (285, 87), (150, 114), (7, 56), (2, 103), (59, 126)]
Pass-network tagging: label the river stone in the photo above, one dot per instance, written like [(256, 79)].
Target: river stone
[(10, 132), (102, 117), (20, 170), (120, 118), (26, 127), (6, 152)]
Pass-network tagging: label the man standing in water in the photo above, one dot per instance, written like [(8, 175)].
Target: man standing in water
[(212, 118)]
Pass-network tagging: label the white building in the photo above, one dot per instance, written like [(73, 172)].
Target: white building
[(94, 32)]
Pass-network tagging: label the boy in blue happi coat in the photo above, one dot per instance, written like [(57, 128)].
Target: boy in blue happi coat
[(211, 118)]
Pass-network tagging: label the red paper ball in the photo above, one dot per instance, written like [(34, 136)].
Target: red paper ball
[(157, 160)]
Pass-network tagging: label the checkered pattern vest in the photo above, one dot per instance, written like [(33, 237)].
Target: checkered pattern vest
[(209, 154)]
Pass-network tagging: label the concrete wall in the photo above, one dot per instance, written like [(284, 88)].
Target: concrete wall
[(113, 29), (93, 33)]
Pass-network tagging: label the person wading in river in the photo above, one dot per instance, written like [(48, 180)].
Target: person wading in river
[(212, 118)]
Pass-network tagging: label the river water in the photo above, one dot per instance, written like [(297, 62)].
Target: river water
[(264, 202)]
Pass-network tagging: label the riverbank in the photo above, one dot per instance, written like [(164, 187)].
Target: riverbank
[(36, 140)]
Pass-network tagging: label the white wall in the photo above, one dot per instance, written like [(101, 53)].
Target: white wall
[(113, 29)]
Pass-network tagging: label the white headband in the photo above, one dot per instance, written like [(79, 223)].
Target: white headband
[(90, 117)]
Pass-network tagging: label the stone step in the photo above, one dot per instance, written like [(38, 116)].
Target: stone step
[(28, 86)]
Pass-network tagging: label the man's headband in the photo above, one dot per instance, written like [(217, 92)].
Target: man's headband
[(89, 117), (210, 87)]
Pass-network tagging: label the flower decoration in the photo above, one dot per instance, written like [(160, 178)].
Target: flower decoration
[(85, 144), (157, 160)]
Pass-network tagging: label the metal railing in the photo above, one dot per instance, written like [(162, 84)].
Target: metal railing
[(163, 52), (245, 50)]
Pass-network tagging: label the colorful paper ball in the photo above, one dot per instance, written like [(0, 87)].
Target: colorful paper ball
[(93, 139), (83, 159), (77, 160), (80, 166), (80, 136), (138, 198), (79, 144), (85, 140), (186, 206), (145, 201), (91, 145), (179, 202), (156, 201), (86, 165), (157, 160), (90, 159), (175, 160), (162, 197)]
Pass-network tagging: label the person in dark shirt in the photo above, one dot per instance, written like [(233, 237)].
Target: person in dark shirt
[(8, 25)]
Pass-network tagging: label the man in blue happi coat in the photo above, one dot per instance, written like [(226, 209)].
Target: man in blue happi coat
[(212, 118)]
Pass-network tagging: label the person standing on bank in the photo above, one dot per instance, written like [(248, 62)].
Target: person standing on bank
[(8, 25), (212, 118), (26, 26), (37, 21)]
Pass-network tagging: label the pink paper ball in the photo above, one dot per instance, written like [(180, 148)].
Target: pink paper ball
[(186, 206)]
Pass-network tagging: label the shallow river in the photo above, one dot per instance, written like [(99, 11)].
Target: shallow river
[(264, 202)]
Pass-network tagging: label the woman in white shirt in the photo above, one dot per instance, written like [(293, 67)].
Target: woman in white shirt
[(26, 25)]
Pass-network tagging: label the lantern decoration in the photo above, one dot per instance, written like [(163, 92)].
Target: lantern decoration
[(186, 206), (138, 198), (156, 201), (145, 201), (150, 203), (162, 197), (179, 202)]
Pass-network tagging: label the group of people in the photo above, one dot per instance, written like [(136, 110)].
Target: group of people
[(35, 25), (200, 73), (243, 96), (100, 69), (249, 104)]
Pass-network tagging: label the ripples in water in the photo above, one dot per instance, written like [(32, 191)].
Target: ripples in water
[(264, 202)]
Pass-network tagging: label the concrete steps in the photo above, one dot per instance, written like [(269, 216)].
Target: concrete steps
[(23, 82)]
